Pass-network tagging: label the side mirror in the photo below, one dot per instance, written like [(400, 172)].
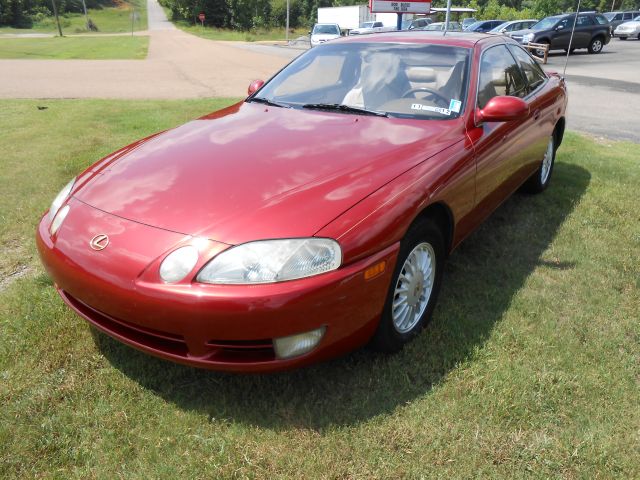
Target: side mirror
[(255, 86), (503, 109)]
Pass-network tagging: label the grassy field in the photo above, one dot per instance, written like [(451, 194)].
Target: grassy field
[(257, 35), (529, 369), (64, 48), (108, 20)]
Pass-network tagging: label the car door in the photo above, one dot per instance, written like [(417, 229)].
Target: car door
[(562, 33), (541, 106), (584, 30), (500, 147)]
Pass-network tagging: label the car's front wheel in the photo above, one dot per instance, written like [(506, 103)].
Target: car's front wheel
[(596, 45), (622, 38), (414, 287), (539, 181)]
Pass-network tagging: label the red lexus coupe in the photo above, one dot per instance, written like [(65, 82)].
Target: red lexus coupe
[(316, 215)]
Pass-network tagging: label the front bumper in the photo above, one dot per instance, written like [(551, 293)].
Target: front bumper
[(219, 327)]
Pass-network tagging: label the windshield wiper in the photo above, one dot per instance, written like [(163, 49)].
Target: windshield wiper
[(266, 101), (344, 108)]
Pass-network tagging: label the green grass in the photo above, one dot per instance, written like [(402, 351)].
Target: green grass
[(255, 35), (62, 48), (108, 20), (529, 369)]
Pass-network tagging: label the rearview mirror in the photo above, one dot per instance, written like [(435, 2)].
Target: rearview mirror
[(255, 86), (504, 109)]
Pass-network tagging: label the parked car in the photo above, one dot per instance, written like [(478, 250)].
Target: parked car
[(439, 26), (483, 26), (468, 21), (628, 29), (419, 23), (618, 18), (592, 31), (323, 32), (513, 25), (316, 215), (371, 27)]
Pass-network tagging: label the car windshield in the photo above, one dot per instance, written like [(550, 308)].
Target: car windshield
[(545, 23), (326, 29), (399, 80), (499, 27), (637, 19), (367, 25)]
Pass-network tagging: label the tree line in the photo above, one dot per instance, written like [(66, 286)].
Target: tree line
[(257, 14)]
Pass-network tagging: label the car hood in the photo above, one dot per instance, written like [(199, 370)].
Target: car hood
[(251, 171), (629, 24), (324, 36)]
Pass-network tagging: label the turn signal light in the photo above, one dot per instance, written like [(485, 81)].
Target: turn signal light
[(375, 270)]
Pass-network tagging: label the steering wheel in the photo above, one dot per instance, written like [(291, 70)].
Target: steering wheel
[(433, 92)]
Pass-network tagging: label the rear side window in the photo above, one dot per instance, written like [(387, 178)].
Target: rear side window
[(628, 16), (601, 19), (532, 71), (584, 21), (499, 75)]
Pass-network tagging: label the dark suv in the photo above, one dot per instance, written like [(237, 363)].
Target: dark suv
[(483, 25), (592, 32)]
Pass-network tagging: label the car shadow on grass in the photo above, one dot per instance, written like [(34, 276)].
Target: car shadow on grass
[(481, 279)]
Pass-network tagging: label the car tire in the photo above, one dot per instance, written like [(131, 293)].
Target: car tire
[(540, 53), (596, 45), (414, 287), (622, 38), (539, 181)]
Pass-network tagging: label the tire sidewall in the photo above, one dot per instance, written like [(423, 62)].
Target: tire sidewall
[(545, 184), (387, 338)]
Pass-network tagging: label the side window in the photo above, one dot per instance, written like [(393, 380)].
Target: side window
[(583, 21), (532, 71), (565, 23), (499, 75), (628, 16), (618, 17), (601, 19)]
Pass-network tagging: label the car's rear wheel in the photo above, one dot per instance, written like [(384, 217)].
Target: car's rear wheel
[(622, 38), (539, 181), (596, 45), (414, 287)]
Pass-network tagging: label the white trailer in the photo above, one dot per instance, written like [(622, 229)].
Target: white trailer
[(347, 17)]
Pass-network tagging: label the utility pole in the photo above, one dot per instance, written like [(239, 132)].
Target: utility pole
[(447, 17), (55, 13), (287, 32)]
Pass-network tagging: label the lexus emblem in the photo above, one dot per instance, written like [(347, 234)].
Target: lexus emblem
[(99, 242)]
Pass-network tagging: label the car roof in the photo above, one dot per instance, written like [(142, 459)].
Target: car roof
[(455, 38)]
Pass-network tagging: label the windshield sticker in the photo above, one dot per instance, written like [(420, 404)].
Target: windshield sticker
[(429, 108), (455, 105)]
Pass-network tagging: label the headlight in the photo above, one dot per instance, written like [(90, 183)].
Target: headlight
[(270, 261), (528, 37), (59, 200), (178, 264), (58, 219)]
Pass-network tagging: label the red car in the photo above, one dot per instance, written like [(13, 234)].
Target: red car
[(313, 217)]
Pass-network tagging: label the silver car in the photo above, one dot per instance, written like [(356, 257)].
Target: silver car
[(513, 25), (628, 29)]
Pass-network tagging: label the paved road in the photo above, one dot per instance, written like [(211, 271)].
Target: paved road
[(604, 90), (179, 65)]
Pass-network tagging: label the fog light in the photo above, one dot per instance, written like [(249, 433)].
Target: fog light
[(299, 344), (58, 219)]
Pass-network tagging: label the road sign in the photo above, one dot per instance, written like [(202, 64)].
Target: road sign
[(413, 6)]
